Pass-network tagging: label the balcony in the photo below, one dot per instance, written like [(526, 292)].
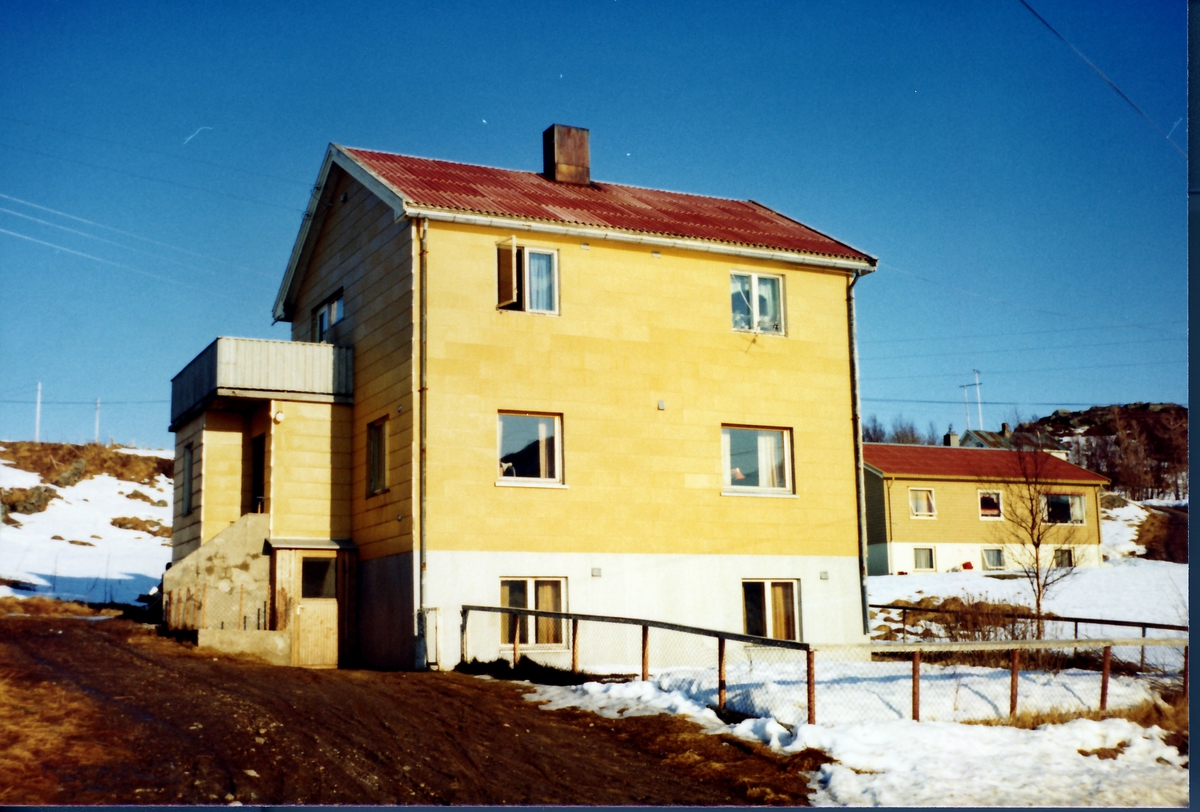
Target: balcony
[(260, 369)]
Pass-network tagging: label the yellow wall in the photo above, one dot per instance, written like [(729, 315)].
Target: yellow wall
[(185, 531), (634, 329), (309, 470), (958, 522)]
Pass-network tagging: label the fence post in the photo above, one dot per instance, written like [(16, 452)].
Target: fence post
[(1015, 667), (916, 686), (574, 645), (1104, 672), (904, 625), (166, 610), (810, 668), (645, 653), (462, 637), (721, 673), (241, 600), (518, 627), (1142, 662)]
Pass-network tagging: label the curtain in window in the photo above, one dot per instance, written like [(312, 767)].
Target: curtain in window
[(545, 449), (513, 593), (739, 286), (770, 459), (1076, 511), (993, 559), (921, 502), (549, 599), (769, 320), (783, 614), (541, 281)]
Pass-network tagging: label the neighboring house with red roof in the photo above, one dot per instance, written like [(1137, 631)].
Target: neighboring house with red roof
[(565, 395), (1010, 440), (948, 508)]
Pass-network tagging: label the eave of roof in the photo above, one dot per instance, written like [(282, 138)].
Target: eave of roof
[(900, 461)]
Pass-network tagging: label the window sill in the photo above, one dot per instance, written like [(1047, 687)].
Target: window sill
[(379, 492), (991, 518), (507, 483), (759, 332), (760, 494), (924, 518)]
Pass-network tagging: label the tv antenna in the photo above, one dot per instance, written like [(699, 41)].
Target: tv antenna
[(978, 401)]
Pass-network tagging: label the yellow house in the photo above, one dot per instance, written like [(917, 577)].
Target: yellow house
[(539, 391), (948, 508)]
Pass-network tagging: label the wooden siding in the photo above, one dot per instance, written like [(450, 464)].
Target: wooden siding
[(223, 472), (309, 476), (185, 531), (363, 251)]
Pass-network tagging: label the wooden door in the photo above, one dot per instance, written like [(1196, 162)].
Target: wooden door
[(315, 634)]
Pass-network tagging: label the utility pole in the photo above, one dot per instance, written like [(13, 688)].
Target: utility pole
[(967, 405), (96, 437), (967, 402), (37, 416), (978, 400)]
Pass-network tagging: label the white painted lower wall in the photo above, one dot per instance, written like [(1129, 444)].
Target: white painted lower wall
[(900, 556), (693, 590)]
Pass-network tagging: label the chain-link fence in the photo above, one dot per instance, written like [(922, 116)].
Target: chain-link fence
[(746, 676), (220, 606)]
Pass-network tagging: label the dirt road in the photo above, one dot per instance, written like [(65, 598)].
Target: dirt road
[(108, 712)]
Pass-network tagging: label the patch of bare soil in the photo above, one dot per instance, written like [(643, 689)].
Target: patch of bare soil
[(1164, 533), (164, 722)]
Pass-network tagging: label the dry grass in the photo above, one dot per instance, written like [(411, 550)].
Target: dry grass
[(47, 460), (44, 726), (151, 526), (49, 607)]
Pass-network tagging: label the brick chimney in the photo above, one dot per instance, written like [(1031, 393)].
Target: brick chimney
[(565, 154), (950, 439)]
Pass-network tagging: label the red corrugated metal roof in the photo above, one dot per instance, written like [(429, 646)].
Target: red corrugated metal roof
[(967, 463), (510, 193)]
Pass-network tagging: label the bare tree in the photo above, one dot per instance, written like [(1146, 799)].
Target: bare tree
[(873, 430), (931, 435), (1040, 527), (904, 431)]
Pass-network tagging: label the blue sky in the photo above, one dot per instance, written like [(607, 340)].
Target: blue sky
[(1029, 223)]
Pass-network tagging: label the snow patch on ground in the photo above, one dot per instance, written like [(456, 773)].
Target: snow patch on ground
[(11, 477), (117, 566), (161, 453), (1119, 529)]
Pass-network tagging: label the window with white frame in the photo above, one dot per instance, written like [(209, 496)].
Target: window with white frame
[(526, 278), (544, 594), (757, 302), (770, 608), (920, 503), (528, 448), (923, 558), (377, 457), (331, 311), (993, 558), (1064, 558), (1063, 508), (989, 505), (756, 459)]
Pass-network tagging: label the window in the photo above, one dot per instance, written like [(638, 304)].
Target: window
[(1064, 558), (775, 617), (757, 302), (318, 578), (756, 459), (328, 314), (922, 558), (187, 478), (529, 450), (989, 505), (1063, 508), (993, 559), (920, 503), (527, 279), (547, 594), (377, 457)]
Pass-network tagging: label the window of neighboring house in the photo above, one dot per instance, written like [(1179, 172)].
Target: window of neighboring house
[(545, 594), (920, 503), (769, 609), (922, 558), (187, 478), (377, 457), (328, 314), (756, 459), (757, 302), (529, 448), (993, 559), (1063, 508), (1064, 558), (318, 578), (527, 279), (989, 505)]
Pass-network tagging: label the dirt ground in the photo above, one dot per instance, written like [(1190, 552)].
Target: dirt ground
[(1165, 535), (108, 712)]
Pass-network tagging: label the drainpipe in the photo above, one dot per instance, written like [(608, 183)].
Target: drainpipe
[(421, 627), (856, 421)]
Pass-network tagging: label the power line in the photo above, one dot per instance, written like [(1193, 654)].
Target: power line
[(156, 180), (985, 403), (111, 242), (83, 402), (126, 233), (1026, 371), (1099, 73), (116, 264), (157, 152), (1023, 349), (1020, 333)]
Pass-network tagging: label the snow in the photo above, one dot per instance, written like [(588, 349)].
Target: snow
[(120, 565), (161, 453), (1118, 529)]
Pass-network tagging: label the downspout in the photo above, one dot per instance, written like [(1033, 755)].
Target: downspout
[(421, 431), (856, 420)]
